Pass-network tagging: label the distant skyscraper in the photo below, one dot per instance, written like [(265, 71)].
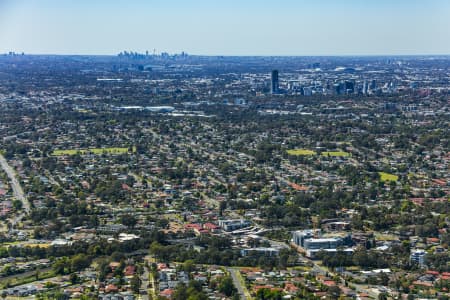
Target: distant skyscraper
[(349, 87), (365, 87), (274, 87)]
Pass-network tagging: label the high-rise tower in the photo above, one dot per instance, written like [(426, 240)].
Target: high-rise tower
[(274, 87)]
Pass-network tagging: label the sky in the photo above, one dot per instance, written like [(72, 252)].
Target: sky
[(226, 27)]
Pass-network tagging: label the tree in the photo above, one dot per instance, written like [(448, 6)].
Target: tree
[(334, 292), (222, 207), (188, 266), (384, 278), (226, 286), (135, 284), (128, 220), (61, 266), (156, 249), (267, 294), (79, 262), (74, 278), (382, 296), (17, 204), (180, 292)]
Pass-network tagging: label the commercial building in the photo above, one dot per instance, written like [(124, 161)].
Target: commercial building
[(312, 253), (312, 243), (418, 256), (326, 243), (300, 236), (275, 86), (230, 225), (266, 251)]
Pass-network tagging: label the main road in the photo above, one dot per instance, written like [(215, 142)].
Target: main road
[(242, 290), (143, 290), (17, 189)]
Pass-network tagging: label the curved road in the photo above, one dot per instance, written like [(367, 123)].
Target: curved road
[(17, 189)]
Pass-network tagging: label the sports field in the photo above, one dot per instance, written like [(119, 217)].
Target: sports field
[(387, 177), (336, 153), (301, 152), (113, 150)]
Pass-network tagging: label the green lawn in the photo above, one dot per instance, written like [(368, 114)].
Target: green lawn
[(113, 150), (385, 237), (28, 277), (387, 177), (301, 152), (336, 153), (67, 152)]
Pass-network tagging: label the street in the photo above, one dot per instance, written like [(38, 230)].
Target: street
[(143, 291), (242, 290), (17, 190)]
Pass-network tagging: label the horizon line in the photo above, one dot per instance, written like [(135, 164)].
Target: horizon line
[(228, 55)]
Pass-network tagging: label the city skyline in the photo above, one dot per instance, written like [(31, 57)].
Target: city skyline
[(284, 28)]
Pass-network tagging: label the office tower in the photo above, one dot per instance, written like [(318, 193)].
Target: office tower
[(307, 91), (274, 87), (336, 89), (349, 87), (365, 87)]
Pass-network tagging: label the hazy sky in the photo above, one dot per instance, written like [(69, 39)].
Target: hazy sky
[(226, 27)]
